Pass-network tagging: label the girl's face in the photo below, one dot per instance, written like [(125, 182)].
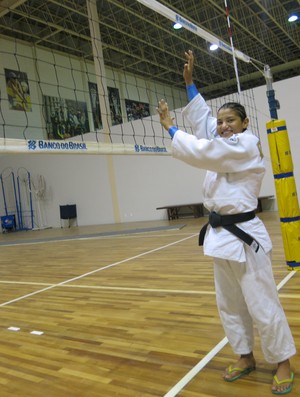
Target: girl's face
[(229, 122)]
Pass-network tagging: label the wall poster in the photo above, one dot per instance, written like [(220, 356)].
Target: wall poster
[(65, 118), (18, 92), (136, 110), (95, 105), (114, 104)]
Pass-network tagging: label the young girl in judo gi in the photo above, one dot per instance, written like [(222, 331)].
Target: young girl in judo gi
[(246, 292)]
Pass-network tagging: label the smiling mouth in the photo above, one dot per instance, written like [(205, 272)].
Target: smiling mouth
[(224, 133)]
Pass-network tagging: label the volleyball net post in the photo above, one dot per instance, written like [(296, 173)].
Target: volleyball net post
[(285, 185)]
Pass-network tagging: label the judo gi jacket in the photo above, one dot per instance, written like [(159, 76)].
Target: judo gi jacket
[(235, 169)]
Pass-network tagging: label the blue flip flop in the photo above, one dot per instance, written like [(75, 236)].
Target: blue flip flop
[(280, 382), (241, 372)]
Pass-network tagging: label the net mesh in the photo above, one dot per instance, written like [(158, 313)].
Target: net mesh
[(53, 100)]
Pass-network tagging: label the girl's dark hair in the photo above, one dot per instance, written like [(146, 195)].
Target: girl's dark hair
[(237, 107)]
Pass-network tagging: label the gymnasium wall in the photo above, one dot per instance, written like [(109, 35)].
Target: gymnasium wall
[(114, 189)]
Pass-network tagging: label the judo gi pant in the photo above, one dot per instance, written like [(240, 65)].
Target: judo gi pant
[(246, 296)]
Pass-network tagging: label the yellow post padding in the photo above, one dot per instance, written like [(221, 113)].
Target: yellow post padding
[(286, 191), (290, 230), (280, 152), (287, 198)]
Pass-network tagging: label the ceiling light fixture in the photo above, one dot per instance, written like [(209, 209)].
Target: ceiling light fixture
[(177, 26), (293, 18), (213, 47)]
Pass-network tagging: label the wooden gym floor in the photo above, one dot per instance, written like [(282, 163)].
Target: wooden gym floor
[(123, 310)]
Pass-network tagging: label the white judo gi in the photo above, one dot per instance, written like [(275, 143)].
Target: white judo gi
[(245, 287)]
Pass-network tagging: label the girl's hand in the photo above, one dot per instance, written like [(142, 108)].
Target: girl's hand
[(188, 67), (164, 114)]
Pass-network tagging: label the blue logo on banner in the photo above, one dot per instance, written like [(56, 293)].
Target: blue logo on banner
[(55, 145), (153, 149), (31, 145), (186, 23)]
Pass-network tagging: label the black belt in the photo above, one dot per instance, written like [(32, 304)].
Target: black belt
[(228, 223)]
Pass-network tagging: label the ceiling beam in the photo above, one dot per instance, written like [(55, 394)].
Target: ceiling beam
[(7, 5)]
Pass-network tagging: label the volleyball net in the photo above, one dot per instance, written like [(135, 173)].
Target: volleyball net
[(54, 101)]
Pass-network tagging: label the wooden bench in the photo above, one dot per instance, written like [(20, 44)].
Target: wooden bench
[(197, 209), (184, 210)]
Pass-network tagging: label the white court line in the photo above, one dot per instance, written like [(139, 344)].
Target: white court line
[(158, 290), (205, 360), (95, 271), (104, 287), (80, 238), (285, 280)]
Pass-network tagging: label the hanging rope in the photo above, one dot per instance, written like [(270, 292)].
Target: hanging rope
[(233, 51)]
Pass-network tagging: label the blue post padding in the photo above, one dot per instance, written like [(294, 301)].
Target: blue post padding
[(287, 220), (293, 264), (284, 175), (278, 129), (272, 104)]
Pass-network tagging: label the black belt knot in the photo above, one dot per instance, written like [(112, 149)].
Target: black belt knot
[(228, 222)]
